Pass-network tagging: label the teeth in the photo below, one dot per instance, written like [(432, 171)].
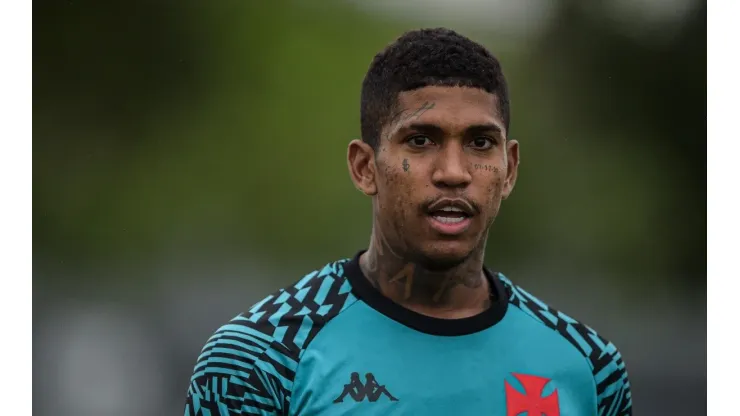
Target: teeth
[(449, 220), (451, 209)]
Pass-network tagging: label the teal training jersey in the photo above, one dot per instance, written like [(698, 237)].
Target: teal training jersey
[(331, 344)]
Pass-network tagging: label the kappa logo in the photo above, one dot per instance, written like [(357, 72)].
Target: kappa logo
[(359, 392), (531, 401)]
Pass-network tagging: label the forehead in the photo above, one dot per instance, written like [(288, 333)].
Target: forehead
[(448, 106)]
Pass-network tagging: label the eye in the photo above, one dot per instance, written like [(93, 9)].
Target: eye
[(483, 143), (419, 141)]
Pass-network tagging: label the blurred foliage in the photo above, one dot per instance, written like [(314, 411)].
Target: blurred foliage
[(201, 124)]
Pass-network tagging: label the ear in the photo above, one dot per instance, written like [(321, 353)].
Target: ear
[(512, 167), (361, 164)]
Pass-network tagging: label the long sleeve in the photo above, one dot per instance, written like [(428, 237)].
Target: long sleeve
[(233, 375), (613, 394)]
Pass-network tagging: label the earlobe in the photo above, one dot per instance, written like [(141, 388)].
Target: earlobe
[(360, 162)]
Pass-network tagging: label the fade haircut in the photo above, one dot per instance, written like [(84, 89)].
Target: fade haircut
[(426, 57)]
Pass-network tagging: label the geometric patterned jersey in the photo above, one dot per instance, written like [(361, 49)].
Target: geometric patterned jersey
[(330, 344)]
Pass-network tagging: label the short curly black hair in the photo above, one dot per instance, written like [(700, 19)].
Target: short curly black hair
[(421, 58)]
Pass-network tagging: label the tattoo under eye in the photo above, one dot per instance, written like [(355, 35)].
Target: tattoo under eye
[(405, 165), (489, 168)]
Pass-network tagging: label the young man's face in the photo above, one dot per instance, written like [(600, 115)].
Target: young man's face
[(441, 170)]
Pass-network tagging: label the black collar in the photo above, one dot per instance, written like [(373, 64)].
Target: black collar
[(365, 291)]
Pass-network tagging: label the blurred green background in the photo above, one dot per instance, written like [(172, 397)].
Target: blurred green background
[(189, 158)]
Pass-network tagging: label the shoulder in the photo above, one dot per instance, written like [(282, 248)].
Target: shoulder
[(257, 353), (293, 315), (607, 366)]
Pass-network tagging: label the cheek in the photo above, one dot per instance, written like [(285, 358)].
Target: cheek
[(393, 188), (396, 180), (397, 193), (495, 185)]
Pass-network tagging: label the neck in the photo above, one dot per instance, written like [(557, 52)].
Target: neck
[(458, 292)]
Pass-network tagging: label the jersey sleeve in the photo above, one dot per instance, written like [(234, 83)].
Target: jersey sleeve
[(613, 394), (234, 375)]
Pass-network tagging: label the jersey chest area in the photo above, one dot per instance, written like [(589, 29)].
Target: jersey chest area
[(382, 367)]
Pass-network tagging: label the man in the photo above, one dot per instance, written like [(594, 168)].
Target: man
[(434, 331)]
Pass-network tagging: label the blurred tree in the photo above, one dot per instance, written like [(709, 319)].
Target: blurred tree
[(640, 107), (225, 124)]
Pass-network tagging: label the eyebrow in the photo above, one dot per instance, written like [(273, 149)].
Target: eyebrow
[(429, 128)]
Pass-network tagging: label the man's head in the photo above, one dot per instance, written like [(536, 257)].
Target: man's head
[(434, 153)]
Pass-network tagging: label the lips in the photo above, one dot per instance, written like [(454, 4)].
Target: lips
[(450, 216)]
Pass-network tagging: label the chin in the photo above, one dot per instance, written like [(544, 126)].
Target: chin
[(443, 255)]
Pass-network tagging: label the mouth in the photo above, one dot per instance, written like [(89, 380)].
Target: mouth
[(450, 216)]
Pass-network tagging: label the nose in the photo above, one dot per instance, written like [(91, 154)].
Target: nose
[(451, 168)]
